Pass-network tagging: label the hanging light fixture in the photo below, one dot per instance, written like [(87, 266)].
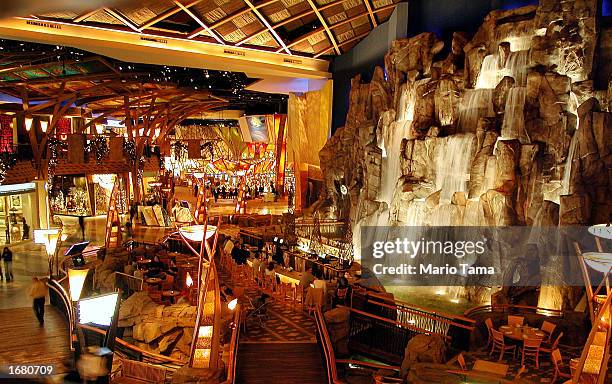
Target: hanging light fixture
[(99, 129), (43, 126)]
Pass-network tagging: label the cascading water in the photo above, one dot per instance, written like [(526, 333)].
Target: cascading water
[(567, 171), (407, 101), (415, 214), (488, 77), (393, 134), (476, 103), (492, 71), (513, 126), (453, 159)]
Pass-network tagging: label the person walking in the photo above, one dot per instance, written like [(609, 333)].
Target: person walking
[(38, 293), (7, 261)]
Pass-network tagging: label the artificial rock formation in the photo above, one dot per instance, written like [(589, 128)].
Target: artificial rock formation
[(510, 118)]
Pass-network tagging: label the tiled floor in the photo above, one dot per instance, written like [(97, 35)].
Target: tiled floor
[(29, 260), (285, 323)]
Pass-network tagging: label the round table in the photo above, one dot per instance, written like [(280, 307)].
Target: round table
[(171, 295), (153, 281), (522, 332), (143, 263)]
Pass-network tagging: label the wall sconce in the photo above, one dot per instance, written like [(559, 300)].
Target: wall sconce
[(76, 279), (43, 126), (99, 129), (28, 123)]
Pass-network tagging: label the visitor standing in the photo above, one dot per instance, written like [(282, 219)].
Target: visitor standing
[(26, 229), (7, 261), (38, 293)]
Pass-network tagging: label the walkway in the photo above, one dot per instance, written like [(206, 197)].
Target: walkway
[(25, 342), (284, 350), (287, 363), (29, 260)]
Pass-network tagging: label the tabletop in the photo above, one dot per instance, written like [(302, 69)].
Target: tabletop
[(521, 332), (171, 293), (153, 280)]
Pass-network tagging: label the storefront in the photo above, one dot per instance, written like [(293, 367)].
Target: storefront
[(18, 212)]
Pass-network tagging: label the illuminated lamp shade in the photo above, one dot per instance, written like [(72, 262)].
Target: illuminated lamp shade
[(43, 125), (98, 310), (196, 232), (599, 261), (99, 129), (76, 277), (28, 123), (188, 280), (41, 236), (232, 304)]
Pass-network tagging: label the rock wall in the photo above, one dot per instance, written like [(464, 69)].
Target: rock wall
[(516, 100)]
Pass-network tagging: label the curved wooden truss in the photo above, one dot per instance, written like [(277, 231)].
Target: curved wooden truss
[(306, 27)]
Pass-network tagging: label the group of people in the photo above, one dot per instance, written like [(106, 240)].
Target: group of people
[(225, 193), (313, 276)]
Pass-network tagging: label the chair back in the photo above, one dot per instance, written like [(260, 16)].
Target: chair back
[(555, 344), (556, 358), (531, 344), (515, 320), (548, 328), (498, 337), (461, 361), (341, 293), (314, 297), (489, 323)]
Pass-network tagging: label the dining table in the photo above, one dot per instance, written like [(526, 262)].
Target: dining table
[(171, 295), (519, 333)]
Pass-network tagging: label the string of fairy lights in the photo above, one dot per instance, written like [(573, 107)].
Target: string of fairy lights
[(225, 84)]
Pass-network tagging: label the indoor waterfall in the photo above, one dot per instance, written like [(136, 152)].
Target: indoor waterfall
[(513, 126), (453, 160), (492, 71), (476, 103)]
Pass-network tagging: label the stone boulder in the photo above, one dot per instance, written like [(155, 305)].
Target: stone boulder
[(423, 349)]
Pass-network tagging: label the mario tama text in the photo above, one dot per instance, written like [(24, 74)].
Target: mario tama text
[(429, 269)]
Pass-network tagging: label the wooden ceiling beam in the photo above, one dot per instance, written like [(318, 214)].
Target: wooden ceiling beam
[(86, 15), (164, 15), (330, 35), (212, 33), (230, 18), (117, 15), (265, 22), (372, 17)]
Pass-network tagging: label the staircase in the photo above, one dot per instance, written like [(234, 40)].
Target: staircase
[(287, 363)]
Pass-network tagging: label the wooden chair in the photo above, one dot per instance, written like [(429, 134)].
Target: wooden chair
[(548, 328), (489, 324), (560, 369), (548, 348), (499, 344), (461, 361), (137, 372), (518, 375), (515, 320), (314, 299), (531, 349)]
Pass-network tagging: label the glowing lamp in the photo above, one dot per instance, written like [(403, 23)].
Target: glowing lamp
[(599, 261), (601, 230), (99, 129), (98, 310), (28, 123), (232, 304), (44, 125), (196, 232), (76, 278), (188, 280)]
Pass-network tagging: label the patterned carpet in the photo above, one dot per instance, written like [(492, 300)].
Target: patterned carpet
[(286, 323)]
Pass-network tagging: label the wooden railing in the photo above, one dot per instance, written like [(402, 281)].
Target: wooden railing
[(512, 309), (382, 338), (95, 336), (329, 228), (329, 358), (458, 328), (233, 351), (593, 364)]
